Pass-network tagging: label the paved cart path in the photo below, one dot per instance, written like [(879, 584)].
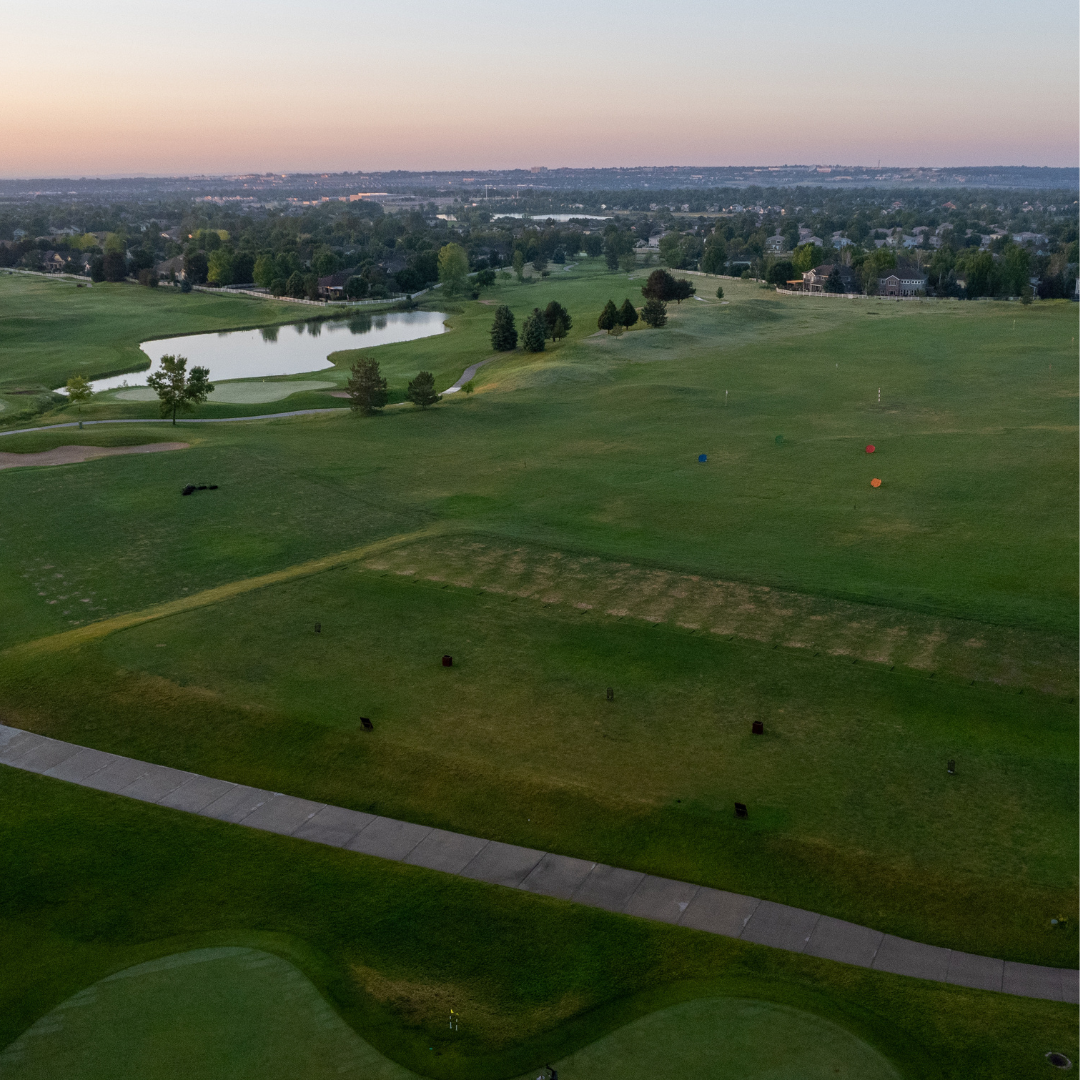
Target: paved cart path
[(628, 892)]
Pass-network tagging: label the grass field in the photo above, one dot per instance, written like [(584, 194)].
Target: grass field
[(94, 884), (577, 543)]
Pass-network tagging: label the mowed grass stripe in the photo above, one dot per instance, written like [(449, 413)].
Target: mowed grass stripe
[(95, 631)]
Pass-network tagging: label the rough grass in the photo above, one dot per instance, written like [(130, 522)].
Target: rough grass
[(93, 884)]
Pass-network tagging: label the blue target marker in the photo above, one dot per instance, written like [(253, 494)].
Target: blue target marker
[(703, 458)]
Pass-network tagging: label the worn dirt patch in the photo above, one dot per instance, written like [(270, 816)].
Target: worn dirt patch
[(959, 648), (72, 455)]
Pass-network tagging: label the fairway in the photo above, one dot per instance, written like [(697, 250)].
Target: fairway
[(557, 534)]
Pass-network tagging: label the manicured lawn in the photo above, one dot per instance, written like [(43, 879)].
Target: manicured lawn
[(94, 884), (50, 330), (852, 810), (583, 456)]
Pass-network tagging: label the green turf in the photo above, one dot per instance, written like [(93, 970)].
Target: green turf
[(516, 742), (241, 393), (588, 451), (726, 1039), (94, 884), (217, 1014), (50, 330), (231, 1013)]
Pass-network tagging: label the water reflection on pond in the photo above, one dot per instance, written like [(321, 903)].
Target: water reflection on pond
[(291, 349)]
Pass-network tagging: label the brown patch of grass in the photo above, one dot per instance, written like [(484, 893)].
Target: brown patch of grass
[(957, 647)]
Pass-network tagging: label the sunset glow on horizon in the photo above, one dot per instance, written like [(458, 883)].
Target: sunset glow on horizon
[(352, 87)]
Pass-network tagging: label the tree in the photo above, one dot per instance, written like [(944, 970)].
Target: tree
[(659, 286), (593, 245), (540, 263), (453, 268), (97, 268), (780, 273), (219, 267), (79, 390), (534, 331), (421, 390), (355, 288), (672, 251), (627, 314), (196, 267), (178, 389), (114, 266), (519, 264), (609, 317), (654, 312), (683, 290), (720, 293), (555, 313), (265, 271), (504, 334), (806, 257), (148, 278), (714, 259), (243, 268), (366, 387), (484, 279), (611, 257), (628, 262), (294, 287), (834, 283)]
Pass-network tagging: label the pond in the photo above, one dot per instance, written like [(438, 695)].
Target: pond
[(291, 349)]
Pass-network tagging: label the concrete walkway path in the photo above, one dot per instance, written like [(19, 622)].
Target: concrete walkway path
[(467, 374), (628, 892)]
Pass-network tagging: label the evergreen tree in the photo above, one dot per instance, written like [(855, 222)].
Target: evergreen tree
[(834, 283), (552, 314), (366, 388), (504, 334), (421, 390), (627, 314), (609, 317), (534, 331), (654, 313), (720, 293)]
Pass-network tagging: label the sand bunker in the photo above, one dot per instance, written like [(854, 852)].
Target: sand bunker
[(72, 455)]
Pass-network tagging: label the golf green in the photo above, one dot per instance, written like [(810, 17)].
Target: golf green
[(237, 1013)]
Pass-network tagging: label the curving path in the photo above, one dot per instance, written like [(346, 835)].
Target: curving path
[(628, 892), (467, 374), (182, 420)]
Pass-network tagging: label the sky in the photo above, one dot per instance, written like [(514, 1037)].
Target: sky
[(118, 87)]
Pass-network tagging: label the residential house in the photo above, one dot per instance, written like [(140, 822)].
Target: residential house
[(1029, 238), (171, 269), (814, 280), (902, 282), (52, 262), (839, 240), (810, 239), (333, 285), (775, 245)]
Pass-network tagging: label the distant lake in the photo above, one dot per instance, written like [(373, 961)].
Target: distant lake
[(553, 217), (291, 349)]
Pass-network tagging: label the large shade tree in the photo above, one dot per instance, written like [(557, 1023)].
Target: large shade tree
[(178, 389)]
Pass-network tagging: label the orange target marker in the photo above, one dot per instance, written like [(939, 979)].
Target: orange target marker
[(875, 482)]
